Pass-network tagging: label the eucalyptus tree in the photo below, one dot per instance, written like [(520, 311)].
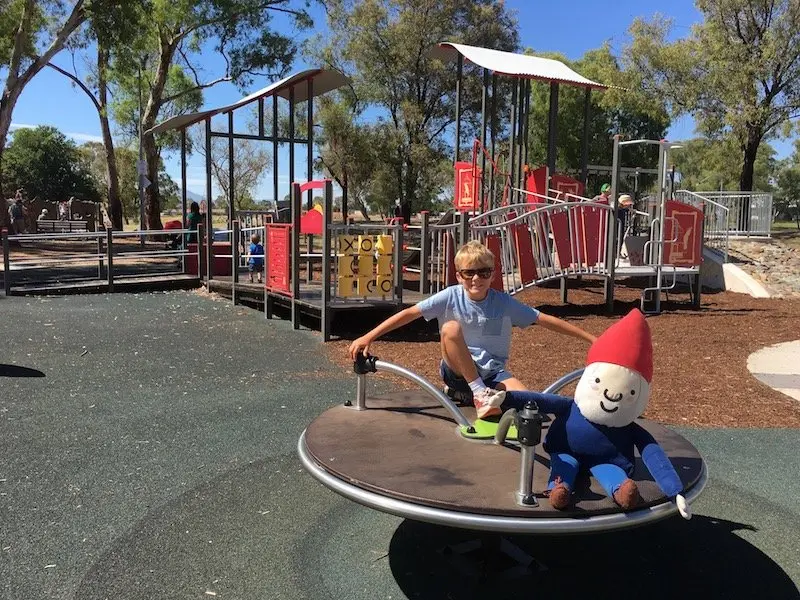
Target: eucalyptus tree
[(622, 109), (403, 100), (737, 73), (31, 33), (169, 63)]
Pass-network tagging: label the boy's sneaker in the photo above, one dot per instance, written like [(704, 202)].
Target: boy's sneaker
[(458, 396), (488, 401)]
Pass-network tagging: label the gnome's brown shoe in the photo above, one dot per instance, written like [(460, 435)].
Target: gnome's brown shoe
[(627, 495), (560, 495)]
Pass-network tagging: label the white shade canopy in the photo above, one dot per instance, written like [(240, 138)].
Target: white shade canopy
[(516, 65), (323, 81)]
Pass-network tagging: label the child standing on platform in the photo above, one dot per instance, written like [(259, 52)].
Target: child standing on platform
[(255, 262), (475, 324)]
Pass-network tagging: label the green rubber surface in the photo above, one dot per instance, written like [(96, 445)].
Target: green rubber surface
[(147, 451), (485, 430)]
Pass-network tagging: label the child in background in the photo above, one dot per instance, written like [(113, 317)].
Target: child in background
[(475, 324), (255, 263)]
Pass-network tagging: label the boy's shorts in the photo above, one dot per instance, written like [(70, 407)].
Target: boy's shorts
[(255, 268), (459, 384)]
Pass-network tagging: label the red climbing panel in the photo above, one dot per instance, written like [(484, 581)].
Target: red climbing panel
[(684, 222), (277, 246), (525, 260)]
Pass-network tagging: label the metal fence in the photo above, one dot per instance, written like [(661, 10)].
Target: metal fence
[(749, 213), (102, 257), (716, 221)]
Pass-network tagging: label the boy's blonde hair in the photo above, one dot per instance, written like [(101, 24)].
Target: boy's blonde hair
[(474, 254), (255, 238)]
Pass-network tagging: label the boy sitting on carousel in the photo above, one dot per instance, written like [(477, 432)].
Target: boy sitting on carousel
[(475, 324)]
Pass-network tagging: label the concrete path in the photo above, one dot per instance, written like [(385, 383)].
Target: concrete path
[(148, 450), (779, 367)]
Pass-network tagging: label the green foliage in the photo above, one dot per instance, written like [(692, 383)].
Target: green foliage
[(786, 200), (48, 165), (94, 158), (715, 164), (622, 109), (252, 160), (10, 17), (384, 46), (163, 64), (737, 73)]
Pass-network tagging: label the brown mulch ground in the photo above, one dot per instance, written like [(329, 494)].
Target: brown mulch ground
[(700, 372)]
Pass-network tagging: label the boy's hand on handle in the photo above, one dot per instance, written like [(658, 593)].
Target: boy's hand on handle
[(359, 346)]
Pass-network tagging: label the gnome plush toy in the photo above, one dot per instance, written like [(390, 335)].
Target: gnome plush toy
[(597, 430)]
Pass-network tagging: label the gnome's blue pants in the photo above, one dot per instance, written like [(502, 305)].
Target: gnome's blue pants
[(565, 466)]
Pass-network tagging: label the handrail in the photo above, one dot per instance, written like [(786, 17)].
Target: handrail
[(372, 364)]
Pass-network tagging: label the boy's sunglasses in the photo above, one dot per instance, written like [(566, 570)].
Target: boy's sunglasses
[(470, 273)]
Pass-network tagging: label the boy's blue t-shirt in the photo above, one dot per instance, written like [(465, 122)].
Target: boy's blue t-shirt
[(486, 325), (256, 249)]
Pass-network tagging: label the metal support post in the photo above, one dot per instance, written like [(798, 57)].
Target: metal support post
[(231, 179), (484, 107), (552, 130), (296, 200), (398, 262), (459, 73), (424, 252), (99, 255), (236, 235), (209, 249), (110, 259), (463, 229), (6, 263), (611, 228), (529, 428), (325, 326)]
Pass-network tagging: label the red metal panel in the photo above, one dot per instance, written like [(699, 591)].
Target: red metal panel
[(311, 222), (591, 233), (561, 238), (493, 244), (277, 246), (450, 256), (525, 260), (465, 188), (685, 223)]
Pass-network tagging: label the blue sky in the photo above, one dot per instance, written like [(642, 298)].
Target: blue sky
[(570, 27)]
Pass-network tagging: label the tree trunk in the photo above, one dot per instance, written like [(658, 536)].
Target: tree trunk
[(112, 173), (16, 82), (750, 149), (152, 199)]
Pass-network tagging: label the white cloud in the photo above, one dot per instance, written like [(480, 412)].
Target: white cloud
[(78, 137)]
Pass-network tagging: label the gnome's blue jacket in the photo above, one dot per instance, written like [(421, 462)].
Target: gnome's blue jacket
[(592, 444)]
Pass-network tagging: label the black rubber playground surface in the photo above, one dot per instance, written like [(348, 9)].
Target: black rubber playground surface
[(147, 450)]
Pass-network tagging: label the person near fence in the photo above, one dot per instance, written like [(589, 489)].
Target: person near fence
[(16, 214), (193, 220), (603, 196), (475, 323), (255, 257), (42, 215), (623, 211)]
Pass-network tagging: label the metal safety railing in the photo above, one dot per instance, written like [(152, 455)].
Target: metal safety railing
[(716, 221), (749, 213), (55, 259)]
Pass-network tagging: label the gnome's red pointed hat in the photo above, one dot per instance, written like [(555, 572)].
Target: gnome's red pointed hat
[(626, 343)]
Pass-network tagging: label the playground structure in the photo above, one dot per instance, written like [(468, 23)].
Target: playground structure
[(488, 486), (538, 223)]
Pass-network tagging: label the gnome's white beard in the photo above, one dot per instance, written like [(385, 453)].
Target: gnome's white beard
[(611, 395)]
